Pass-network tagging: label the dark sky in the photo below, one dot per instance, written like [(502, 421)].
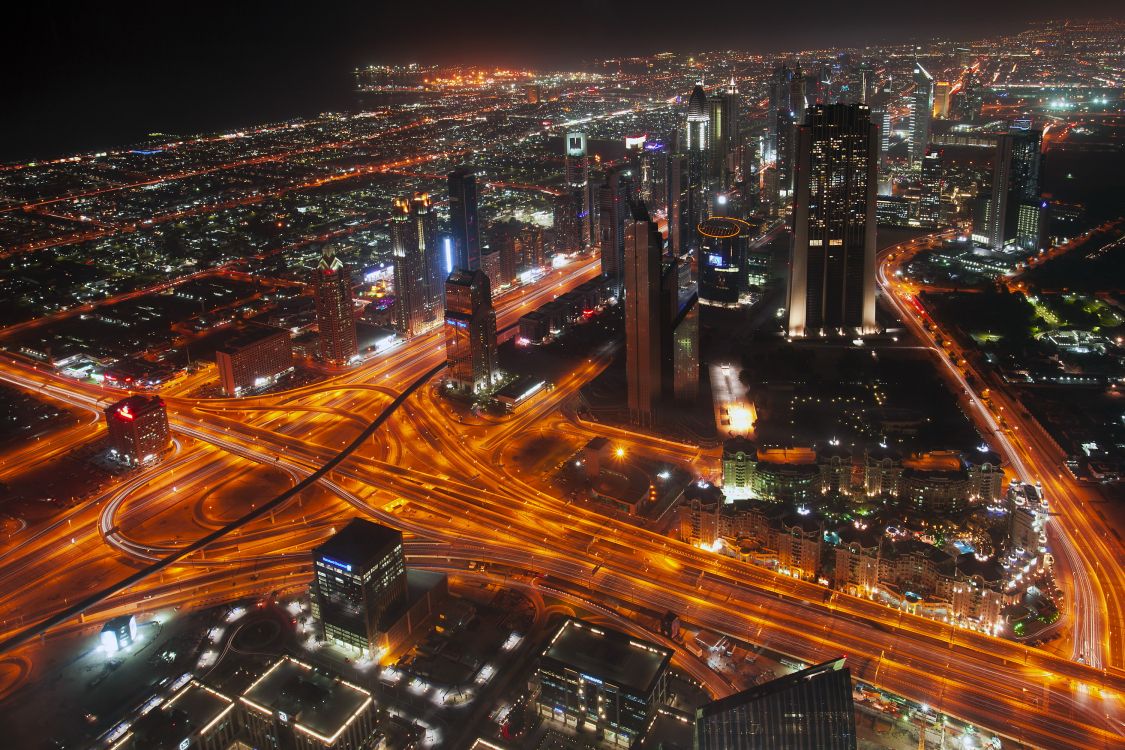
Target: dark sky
[(84, 75)]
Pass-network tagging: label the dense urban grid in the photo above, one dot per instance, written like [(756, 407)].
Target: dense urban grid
[(717, 400)]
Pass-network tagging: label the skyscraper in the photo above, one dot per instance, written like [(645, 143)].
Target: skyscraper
[(335, 317), (679, 332), (921, 112), (577, 176), (643, 252), (722, 110), (359, 579), (417, 270), (722, 250), (942, 91), (991, 212), (929, 204), (463, 219), (807, 710), (832, 266), (613, 210), (470, 332), (697, 150)]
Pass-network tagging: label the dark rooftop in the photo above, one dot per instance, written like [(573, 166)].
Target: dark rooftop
[(608, 655), (359, 543), (311, 698), (781, 684)]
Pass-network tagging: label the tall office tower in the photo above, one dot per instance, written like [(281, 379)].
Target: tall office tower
[(990, 215), (643, 252), (832, 267), (1026, 212), (568, 224), (786, 128), (780, 83), (807, 710), (798, 94), (697, 150), (921, 112), (929, 203), (359, 579), (138, 429), (470, 332), (417, 270), (722, 111), (613, 210), (463, 219), (677, 201), (722, 252), (679, 332), (335, 317), (653, 188), (577, 176), (865, 83), (942, 90)]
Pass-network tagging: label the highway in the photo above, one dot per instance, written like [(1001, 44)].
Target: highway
[(437, 478)]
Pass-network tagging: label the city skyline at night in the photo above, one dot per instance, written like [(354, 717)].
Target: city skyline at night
[(493, 378)]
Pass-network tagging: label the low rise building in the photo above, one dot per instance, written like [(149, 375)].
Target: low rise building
[(138, 429), (254, 359), (591, 677)]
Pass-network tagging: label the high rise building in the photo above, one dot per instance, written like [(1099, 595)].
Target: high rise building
[(470, 332), (335, 316), (929, 202), (613, 210), (697, 151), (417, 269), (255, 358), (577, 176), (778, 103), (990, 215), (138, 429), (679, 332), (359, 579), (921, 112), (808, 710), (722, 250), (722, 112), (942, 92), (463, 219), (1026, 211), (832, 266), (643, 253)]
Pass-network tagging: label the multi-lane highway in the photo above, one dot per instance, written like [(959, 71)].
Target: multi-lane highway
[(437, 478)]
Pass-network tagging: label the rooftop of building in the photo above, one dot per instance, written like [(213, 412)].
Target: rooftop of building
[(250, 335), (782, 684), (189, 711), (128, 409), (608, 655), (312, 699), (359, 544), (934, 461)]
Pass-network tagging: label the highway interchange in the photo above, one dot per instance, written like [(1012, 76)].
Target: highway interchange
[(437, 475)]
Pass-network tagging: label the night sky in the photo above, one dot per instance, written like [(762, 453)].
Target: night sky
[(81, 76)]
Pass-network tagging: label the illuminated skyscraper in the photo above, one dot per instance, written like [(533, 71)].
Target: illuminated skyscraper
[(942, 91), (990, 215), (722, 250), (335, 317), (359, 580), (138, 429), (832, 268), (929, 204), (470, 332), (807, 710), (921, 112), (643, 252), (417, 269), (613, 210), (722, 110), (463, 219), (577, 176), (697, 150), (679, 332)]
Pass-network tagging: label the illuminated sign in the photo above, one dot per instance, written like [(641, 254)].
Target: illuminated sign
[(455, 322), (715, 260), (575, 144), (126, 414), (594, 680), (335, 564), (448, 256), (635, 141)]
